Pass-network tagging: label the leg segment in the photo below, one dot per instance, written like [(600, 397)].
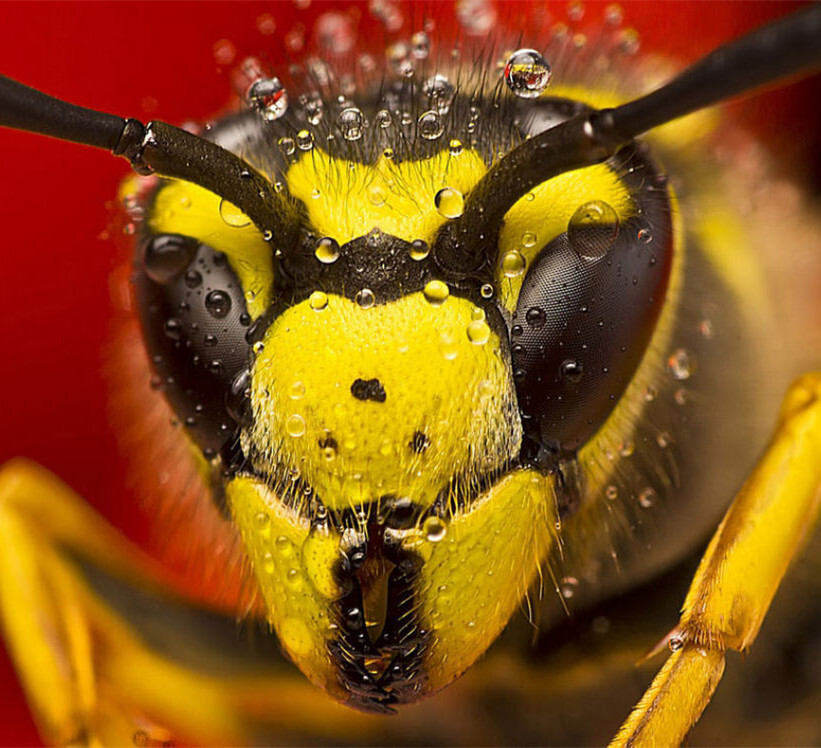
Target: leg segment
[(739, 574)]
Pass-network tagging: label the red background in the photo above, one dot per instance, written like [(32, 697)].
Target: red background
[(156, 60)]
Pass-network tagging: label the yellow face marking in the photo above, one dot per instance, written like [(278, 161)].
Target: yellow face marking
[(446, 384), (185, 208), (345, 199)]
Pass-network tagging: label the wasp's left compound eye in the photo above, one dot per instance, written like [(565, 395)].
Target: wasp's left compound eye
[(586, 312)]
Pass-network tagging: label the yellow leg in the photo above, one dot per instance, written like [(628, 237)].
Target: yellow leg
[(107, 656), (739, 574)]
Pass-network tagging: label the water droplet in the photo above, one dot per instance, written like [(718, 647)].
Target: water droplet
[(647, 498), (335, 33), (376, 195), (327, 250), (650, 394), (435, 528), (705, 328), (284, 546), (304, 140), (419, 250), (613, 15), (629, 41), (365, 298), (351, 123), (440, 92), (193, 279), (449, 202), (399, 59), (436, 292), (455, 147), (593, 229), (675, 642), (626, 448), (571, 371), (486, 291), (232, 215), (663, 440), (172, 328), (268, 97), (448, 346), (513, 263), (528, 239), (383, 119), (258, 347), (295, 425), (680, 396), (536, 316), (680, 364), (431, 125), (167, 255), (420, 45), (218, 303), (611, 492), (567, 586), (527, 73), (478, 332), (287, 146), (318, 301), (645, 236)]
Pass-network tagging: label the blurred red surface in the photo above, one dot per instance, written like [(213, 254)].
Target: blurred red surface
[(157, 60)]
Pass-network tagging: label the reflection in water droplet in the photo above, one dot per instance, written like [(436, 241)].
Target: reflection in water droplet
[(383, 119), (645, 236), (295, 425), (435, 529), (478, 332), (318, 301), (304, 140), (218, 303), (351, 123), (513, 263), (419, 250), (232, 215), (449, 202), (486, 290), (327, 250), (440, 92), (436, 292), (268, 98), (431, 125), (365, 298), (680, 364), (593, 230), (287, 146), (527, 73)]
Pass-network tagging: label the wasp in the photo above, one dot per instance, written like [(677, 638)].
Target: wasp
[(426, 345)]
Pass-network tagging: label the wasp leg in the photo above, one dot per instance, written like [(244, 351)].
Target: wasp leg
[(739, 573), (109, 655)]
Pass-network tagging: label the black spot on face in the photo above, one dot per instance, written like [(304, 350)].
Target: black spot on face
[(368, 389), (328, 442), (420, 442)]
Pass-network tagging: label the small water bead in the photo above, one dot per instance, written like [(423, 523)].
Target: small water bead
[(304, 140), (455, 147), (567, 586), (377, 196), (647, 498), (680, 396), (449, 202), (295, 426), (536, 316), (431, 125), (399, 59), (571, 371), (436, 292), (383, 119), (448, 346), (351, 123), (645, 236), (435, 529), (286, 146), (318, 301), (680, 364), (420, 45), (611, 492), (365, 298), (440, 92), (268, 97), (297, 390), (663, 440), (478, 332), (335, 32), (232, 215), (529, 239), (527, 73), (419, 250), (613, 15), (593, 230), (513, 264), (626, 448), (486, 291), (258, 347), (172, 328), (705, 329), (327, 250), (218, 303), (629, 41)]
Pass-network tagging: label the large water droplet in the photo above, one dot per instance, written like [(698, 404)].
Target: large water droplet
[(431, 125), (365, 298), (527, 73), (435, 529), (327, 250), (167, 255), (513, 263), (295, 426), (351, 123), (440, 92), (449, 202), (478, 332), (304, 140), (436, 292), (318, 301), (268, 98), (593, 229), (232, 215), (218, 303)]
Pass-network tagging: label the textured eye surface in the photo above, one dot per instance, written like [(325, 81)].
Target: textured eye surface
[(586, 311)]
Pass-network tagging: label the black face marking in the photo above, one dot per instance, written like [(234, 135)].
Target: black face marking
[(368, 389), (328, 443), (420, 442)]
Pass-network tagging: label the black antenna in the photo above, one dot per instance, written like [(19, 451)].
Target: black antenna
[(155, 148), (789, 46)]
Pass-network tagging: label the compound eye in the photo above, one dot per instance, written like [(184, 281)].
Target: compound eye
[(585, 315), (194, 319)]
